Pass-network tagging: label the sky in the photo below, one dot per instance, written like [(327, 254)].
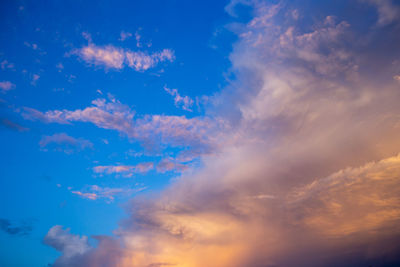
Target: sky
[(200, 133)]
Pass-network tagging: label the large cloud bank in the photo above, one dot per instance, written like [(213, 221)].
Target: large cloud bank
[(308, 173)]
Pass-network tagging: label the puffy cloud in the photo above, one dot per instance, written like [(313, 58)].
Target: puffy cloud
[(308, 158), (108, 56), (64, 142), (6, 86), (68, 244), (185, 102), (117, 58)]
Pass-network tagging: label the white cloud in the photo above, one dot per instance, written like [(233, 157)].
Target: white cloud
[(68, 244)]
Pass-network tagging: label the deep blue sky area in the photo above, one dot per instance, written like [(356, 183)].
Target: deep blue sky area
[(37, 38)]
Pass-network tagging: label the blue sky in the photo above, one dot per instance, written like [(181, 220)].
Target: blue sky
[(39, 39), (124, 121)]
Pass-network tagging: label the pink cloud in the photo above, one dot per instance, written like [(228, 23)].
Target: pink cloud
[(125, 170), (125, 35), (64, 142), (153, 131), (185, 102), (6, 86), (117, 58), (95, 192), (169, 164)]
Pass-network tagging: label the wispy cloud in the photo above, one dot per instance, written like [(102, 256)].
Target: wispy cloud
[(112, 57), (22, 229), (153, 131), (95, 192), (12, 125), (64, 142), (125, 35), (7, 65), (35, 78), (388, 12), (169, 164), (184, 102), (124, 170), (6, 86)]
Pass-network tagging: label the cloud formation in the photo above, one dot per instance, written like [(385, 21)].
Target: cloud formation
[(388, 12), (68, 244), (124, 170), (112, 57), (6, 86), (310, 157), (64, 142), (184, 102), (153, 131), (95, 192)]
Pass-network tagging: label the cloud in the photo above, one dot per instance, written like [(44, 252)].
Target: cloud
[(95, 192), (6, 86), (185, 102), (112, 57), (7, 65), (168, 164), (35, 78), (308, 155), (124, 170), (153, 131), (9, 124), (8, 227), (68, 244), (125, 35), (388, 12), (64, 142)]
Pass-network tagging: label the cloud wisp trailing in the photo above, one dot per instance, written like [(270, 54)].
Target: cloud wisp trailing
[(124, 170), (95, 192), (111, 57), (310, 157), (6, 86), (64, 142), (184, 102)]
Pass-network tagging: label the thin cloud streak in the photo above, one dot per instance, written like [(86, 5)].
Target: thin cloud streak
[(112, 57)]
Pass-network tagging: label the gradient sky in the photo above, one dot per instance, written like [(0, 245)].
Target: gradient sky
[(200, 133)]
